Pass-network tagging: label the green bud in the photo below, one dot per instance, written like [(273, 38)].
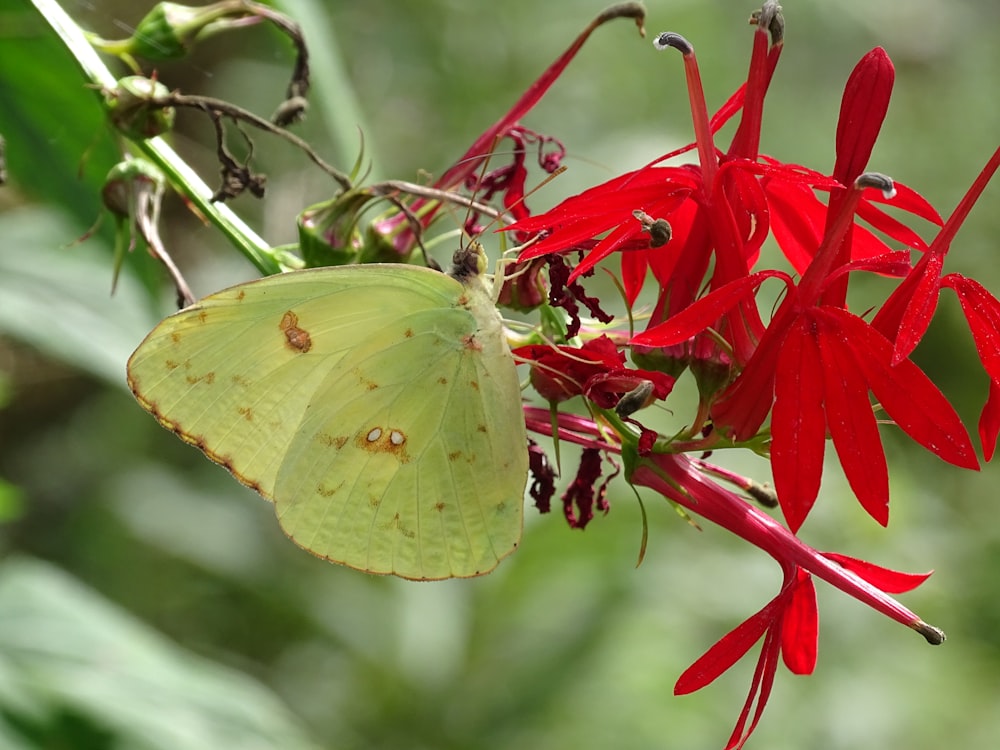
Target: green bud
[(328, 231), (672, 360), (133, 109), (125, 180), (167, 32)]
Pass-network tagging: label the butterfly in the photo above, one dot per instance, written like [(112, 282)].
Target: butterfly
[(376, 406)]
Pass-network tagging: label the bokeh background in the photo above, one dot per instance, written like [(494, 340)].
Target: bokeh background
[(149, 601)]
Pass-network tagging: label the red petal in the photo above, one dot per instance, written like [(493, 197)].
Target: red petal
[(664, 260), (886, 579), (797, 221), (909, 200), (862, 110), (907, 395), (610, 204), (883, 222), (798, 427), (800, 627), (727, 651), (744, 405), (483, 145), (989, 422), (921, 307), (705, 312), (895, 263), (634, 267), (760, 687), (982, 312), (851, 420)]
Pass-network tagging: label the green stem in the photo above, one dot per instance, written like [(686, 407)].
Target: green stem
[(180, 175)]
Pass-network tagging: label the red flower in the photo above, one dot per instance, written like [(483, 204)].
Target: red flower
[(507, 180), (907, 313), (800, 220), (595, 369), (789, 623), (816, 364)]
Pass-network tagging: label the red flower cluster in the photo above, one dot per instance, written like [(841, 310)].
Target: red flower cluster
[(780, 386)]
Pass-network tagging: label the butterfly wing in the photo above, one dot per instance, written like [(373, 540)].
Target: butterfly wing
[(377, 406)]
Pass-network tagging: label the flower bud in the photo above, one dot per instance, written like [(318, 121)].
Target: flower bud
[(328, 231), (524, 286), (672, 360), (134, 111), (126, 180), (711, 366), (169, 30)]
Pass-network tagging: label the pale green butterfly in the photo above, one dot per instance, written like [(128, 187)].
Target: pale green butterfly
[(377, 406)]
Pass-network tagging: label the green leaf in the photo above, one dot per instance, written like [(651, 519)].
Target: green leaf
[(66, 652), (58, 299)]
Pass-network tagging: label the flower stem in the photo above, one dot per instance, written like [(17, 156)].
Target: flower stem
[(177, 171)]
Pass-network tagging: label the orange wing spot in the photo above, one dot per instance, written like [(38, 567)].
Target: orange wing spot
[(175, 338), (474, 384), (172, 364), (397, 523), (208, 378), (367, 382), (202, 316), (240, 380), (333, 441), (246, 412), (241, 296), (377, 440), (454, 455), (323, 491), (470, 342), (442, 380), (439, 506), (408, 333), (298, 339)]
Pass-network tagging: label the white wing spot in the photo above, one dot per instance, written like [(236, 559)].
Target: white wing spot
[(384, 440)]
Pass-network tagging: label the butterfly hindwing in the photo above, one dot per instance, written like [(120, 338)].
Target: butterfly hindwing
[(377, 406)]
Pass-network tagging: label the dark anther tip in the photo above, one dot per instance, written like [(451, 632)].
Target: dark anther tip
[(670, 39)]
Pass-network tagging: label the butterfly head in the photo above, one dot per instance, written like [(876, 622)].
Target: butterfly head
[(467, 263)]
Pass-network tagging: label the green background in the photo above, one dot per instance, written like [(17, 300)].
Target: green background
[(149, 601)]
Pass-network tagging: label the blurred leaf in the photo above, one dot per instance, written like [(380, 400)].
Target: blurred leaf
[(51, 120), (58, 299), (11, 501), (65, 651)]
